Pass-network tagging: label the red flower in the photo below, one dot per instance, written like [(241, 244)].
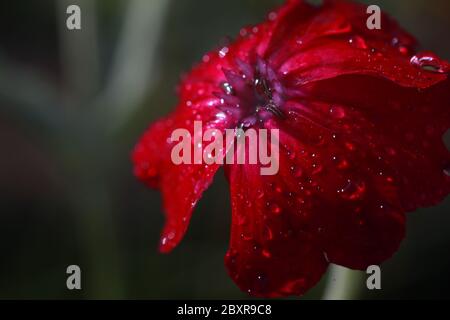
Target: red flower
[(361, 120)]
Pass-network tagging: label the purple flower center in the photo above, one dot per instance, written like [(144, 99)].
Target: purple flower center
[(252, 94)]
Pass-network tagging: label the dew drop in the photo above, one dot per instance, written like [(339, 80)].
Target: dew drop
[(245, 237), (275, 209), (266, 253), (350, 146), (260, 194), (337, 112), (171, 235), (206, 58), (316, 168), (261, 282), (296, 172), (447, 170), (352, 190), (403, 50), (358, 42), (223, 52), (430, 62), (273, 16), (243, 32), (343, 164), (291, 155), (227, 88), (395, 41)]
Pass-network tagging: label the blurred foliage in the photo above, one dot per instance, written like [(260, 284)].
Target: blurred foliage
[(67, 191)]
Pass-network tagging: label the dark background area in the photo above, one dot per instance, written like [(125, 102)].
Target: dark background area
[(72, 106)]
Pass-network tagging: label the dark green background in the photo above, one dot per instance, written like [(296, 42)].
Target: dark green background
[(67, 194)]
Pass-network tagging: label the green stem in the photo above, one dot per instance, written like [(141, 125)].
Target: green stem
[(342, 283)]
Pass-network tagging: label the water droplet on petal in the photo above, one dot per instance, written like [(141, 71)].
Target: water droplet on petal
[(227, 88), (403, 50), (223, 52), (296, 172), (171, 235), (243, 32), (341, 164), (273, 16), (447, 170), (430, 62), (275, 209), (358, 42), (291, 155), (246, 237), (352, 190), (316, 168), (260, 194), (395, 41), (268, 234), (206, 58), (337, 112), (266, 253), (350, 146), (261, 282)]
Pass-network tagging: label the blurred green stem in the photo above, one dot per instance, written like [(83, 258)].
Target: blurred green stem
[(134, 69), (342, 283), (79, 51)]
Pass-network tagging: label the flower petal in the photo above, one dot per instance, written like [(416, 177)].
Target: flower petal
[(402, 127), (181, 185), (274, 249), (334, 40)]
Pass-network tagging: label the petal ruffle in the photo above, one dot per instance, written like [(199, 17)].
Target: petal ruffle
[(334, 40)]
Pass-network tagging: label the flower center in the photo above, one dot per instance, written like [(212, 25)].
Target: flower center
[(252, 94)]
